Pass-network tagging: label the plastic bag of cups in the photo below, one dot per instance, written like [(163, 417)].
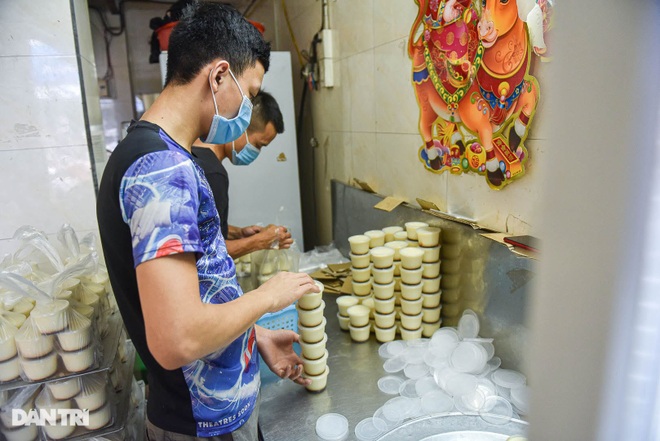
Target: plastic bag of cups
[(90, 392), (56, 340), (453, 371)]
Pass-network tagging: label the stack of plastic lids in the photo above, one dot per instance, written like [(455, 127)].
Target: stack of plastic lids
[(453, 371), (332, 427)]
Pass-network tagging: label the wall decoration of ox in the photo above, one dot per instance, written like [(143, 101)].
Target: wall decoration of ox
[(471, 61)]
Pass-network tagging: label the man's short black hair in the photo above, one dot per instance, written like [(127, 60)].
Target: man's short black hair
[(266, 110), (208, 31)]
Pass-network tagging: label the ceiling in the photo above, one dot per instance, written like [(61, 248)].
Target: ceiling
[(112, 6)]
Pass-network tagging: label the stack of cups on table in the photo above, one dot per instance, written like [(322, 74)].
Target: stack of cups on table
[(313, 339), (429, 242), (452, 298)]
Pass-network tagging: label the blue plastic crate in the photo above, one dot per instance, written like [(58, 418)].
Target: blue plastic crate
[(284, 319)]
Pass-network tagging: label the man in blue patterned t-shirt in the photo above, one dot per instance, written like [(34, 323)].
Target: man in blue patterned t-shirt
[(174, 282)]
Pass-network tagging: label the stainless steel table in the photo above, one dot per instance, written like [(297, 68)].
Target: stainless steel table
[(289, 412)]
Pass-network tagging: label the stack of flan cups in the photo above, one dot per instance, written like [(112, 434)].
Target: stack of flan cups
[(313, 339), (429, 243), (383, 272), (452, 297)]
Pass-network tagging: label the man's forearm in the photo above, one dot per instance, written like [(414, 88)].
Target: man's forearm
[(240, 247), (234, 233)]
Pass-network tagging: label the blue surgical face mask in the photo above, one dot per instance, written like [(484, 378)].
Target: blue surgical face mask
[(224, 130), (246, 156)]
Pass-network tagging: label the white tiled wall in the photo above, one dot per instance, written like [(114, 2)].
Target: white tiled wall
[(45, 168), (373, 113)]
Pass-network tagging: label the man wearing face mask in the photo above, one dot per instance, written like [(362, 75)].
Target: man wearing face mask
[(174, 282), (265, 125)]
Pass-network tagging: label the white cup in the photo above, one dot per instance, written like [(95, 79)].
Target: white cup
[(389, 232), (431, 285), (343, 322), (360, 333), (384, 306), (376, 238), (359, 244), (411, 292), (361, 274), (319, 382), (411, 322), (382, 257), (411, 276), (431, 315), (451, 295), (450, 266), (384, 320), (360, 260), (450, 251), (311, 317), (362, 288), (431, 300), (397, 246), (385, 334), (10, 369), (408, 334), (312, 300), (411, 258), (428, 236), (412, 227), (411, 307), (428, 329), (385, 291), (431, 254), (450, 281), (401, 235), (312, 334), (359, 315), (313, 351), (36, 369), (383, 275), (80, 360), (430, 270), (345, 302), (317, 365)]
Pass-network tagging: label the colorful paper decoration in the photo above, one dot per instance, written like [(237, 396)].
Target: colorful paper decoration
[(471, 63)]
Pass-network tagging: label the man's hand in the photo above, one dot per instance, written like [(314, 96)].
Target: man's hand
[(276, 348), (251, 230), (273, 234), (285, 288)]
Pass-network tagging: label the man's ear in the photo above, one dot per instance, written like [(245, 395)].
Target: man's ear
[(219, 73)]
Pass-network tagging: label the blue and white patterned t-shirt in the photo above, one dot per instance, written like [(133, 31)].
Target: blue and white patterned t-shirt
[(167, 207)]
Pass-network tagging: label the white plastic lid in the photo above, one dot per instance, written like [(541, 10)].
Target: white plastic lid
[(414, 355), (508, 378), (520, 398), (390, 384), (332, 427), (470, 403), (416, 371), (397, 409), (468, 325), (395, 347), (444, 341), (407, 389), (367, 431), (437, 402), (425, 385), (468, 357), (460, 384), (496, 410), (394, 364)]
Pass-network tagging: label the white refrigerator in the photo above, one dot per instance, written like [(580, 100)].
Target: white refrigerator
[(268, 190)]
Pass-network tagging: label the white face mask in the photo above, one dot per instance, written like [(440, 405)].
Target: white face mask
[(245, 156)]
